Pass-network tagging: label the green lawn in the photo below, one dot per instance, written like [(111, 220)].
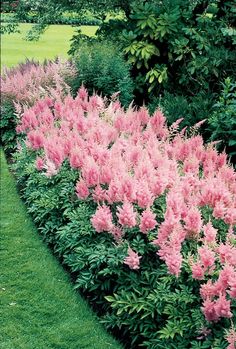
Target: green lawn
[(54, 42), (38, 306)]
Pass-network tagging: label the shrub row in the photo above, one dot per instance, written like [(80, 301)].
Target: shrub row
[(102, 68), (63, 19), (143, 215)]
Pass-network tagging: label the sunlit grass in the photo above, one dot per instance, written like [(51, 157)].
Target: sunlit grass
[(54, 42)]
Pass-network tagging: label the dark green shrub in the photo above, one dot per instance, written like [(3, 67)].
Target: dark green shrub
[(7, 126), (223, 120), (192, 109), (181, 46), (102, 68)]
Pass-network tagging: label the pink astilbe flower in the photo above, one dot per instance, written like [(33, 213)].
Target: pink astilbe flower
[(193, 221), (230, 217), (147, 221), (36, 139), (76, 158), (113, 192), (143, 116), (132, 260), (117, 233), (102, 219), (39, 163), (222, 307), (219, 210), (54, 152), (83, 93), (208, 290), (105, 174), (209, 310), (191, 165), (51, 169), (99, 194), (231, 338), (207, 257), (82, 190), (226, 275), (174, 261), (227, 253), (127, 215), (90, 173), (209, 233), (232, 284), (127, 189), (157, 123), (198, 272), (144, 196), (31, 80)]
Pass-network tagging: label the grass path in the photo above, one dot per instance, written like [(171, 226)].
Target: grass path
[(38, 307), (54, 42)]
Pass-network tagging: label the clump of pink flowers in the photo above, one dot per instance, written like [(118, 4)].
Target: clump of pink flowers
[(126, 160), (31, 81)]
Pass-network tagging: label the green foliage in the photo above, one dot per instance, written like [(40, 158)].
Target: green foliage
[(103, 69), (64, 18), (149, 307), (9, 5), (192, 109), (223, 120), (188, 45), (7, 126), (9, 27)]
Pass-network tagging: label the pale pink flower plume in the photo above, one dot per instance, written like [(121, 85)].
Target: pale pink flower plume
[(132, 260), (231, 338), (127, 215), (39, 163), (147, 221), (102, 219), (82, 190)]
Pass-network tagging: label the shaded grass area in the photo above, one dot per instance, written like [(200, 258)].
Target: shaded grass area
[(54, 42), (39, 309)]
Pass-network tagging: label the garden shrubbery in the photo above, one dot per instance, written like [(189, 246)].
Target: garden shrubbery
[(64, 18), (102, 69), (223, 119), (143, 215), (180, 50)]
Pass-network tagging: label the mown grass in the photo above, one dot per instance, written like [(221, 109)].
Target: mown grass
[(54, 42), (39, 308)]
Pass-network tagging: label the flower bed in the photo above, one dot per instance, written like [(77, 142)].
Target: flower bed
[(143, 215)]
